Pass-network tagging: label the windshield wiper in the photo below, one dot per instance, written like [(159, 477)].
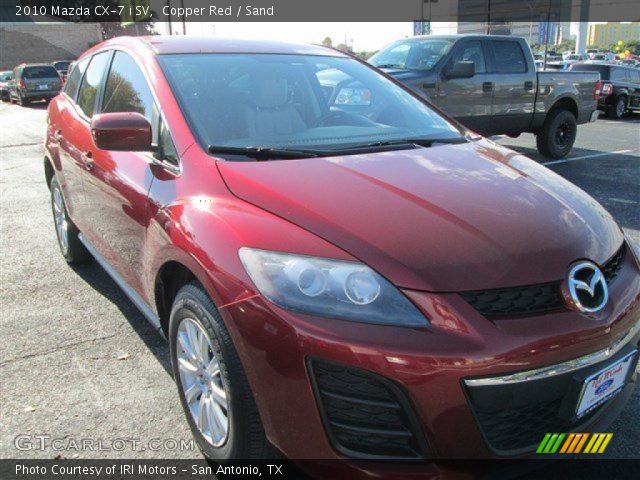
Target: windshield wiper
[(409, 142), (263, 153)]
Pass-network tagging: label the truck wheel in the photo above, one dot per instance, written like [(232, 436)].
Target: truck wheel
[(618, 109), (212, 386), (558, 134), (23, 102)]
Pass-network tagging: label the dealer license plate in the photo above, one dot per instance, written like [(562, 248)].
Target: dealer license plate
[(43, 87), (600, 387)]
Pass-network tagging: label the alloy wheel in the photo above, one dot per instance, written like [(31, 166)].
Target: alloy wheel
[(201, 381), (60, 218), (620, 108)]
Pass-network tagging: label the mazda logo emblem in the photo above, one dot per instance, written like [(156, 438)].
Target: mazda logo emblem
[(587, 287)]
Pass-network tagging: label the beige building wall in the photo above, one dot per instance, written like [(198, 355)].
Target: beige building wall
[(606, 34), (44, 42)]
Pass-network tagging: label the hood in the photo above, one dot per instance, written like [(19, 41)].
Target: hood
[(441, 219), (403, 74)]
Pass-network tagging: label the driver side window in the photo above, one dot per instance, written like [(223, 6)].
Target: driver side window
[(470, 52), (127, 90)]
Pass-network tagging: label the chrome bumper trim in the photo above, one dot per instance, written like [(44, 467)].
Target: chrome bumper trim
[(559, 368)]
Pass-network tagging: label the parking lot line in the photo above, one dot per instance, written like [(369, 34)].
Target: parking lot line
[(584, 157)]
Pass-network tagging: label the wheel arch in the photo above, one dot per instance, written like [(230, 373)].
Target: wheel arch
[(169, 279), (49, 171), (565, 103)]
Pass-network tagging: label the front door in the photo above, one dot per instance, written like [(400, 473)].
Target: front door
[(117, 183), (468, 100)]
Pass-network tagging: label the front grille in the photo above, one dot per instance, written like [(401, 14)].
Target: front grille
[(514, 417), (532, 299), (365, 415), (527, 300), (611, 269), (515, 428)]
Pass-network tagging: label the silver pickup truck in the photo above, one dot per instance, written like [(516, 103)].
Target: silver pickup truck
[(489, 83)]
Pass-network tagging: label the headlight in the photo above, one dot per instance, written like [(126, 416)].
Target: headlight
[(329, 288)]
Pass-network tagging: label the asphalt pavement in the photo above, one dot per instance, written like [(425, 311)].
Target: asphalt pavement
[(79, 362)]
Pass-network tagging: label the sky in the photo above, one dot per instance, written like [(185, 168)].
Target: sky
[(361, 35)]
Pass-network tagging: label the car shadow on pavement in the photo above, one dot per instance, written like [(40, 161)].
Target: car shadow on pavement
[(95, 276)]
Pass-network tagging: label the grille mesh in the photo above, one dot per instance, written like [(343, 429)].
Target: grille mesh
[(611, 269), (365, 415), (526, 300), (532, 299)]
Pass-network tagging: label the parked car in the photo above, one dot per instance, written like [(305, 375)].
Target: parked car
[(619, 85), (341, 271), (62, 66), (575, 58), (34, 82), (5, 77), (490, 84)]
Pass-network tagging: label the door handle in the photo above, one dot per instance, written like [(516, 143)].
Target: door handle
[(528, 85), (487, 86), (87, 159)]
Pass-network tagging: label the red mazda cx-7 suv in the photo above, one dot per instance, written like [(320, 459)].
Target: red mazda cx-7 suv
[(341, 270)]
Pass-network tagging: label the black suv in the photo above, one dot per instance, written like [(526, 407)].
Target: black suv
[(620, 87)]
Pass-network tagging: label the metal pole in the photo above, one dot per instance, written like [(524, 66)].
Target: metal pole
[(169, 16), (546, 38), (184, 23)]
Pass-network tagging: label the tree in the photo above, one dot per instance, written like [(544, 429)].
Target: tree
[(633, 46), (327, 42), (344, 48)]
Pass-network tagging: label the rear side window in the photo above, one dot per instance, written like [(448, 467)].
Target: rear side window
[(471, 52), (127, 89), (635, 76), (73, 82), (91, 83), (508, 57), (618, 75)]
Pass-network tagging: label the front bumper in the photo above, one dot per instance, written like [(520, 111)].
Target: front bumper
[(430, 368)]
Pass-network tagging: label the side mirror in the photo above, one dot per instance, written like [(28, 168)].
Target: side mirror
[(462, 69), (121, 131)]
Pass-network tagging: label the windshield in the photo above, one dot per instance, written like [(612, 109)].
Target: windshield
[(296, 102), (412, 54), (40, 72), (5, 76)]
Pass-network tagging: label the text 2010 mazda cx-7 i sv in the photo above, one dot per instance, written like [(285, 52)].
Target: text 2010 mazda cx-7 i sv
[(341, 270)]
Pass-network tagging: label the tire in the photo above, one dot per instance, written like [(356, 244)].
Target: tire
[(72, 249), (618, 109), (558, 134), (23, 102), (244, 436)]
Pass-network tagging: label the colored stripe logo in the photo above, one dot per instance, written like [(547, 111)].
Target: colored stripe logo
[(574, 443)]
